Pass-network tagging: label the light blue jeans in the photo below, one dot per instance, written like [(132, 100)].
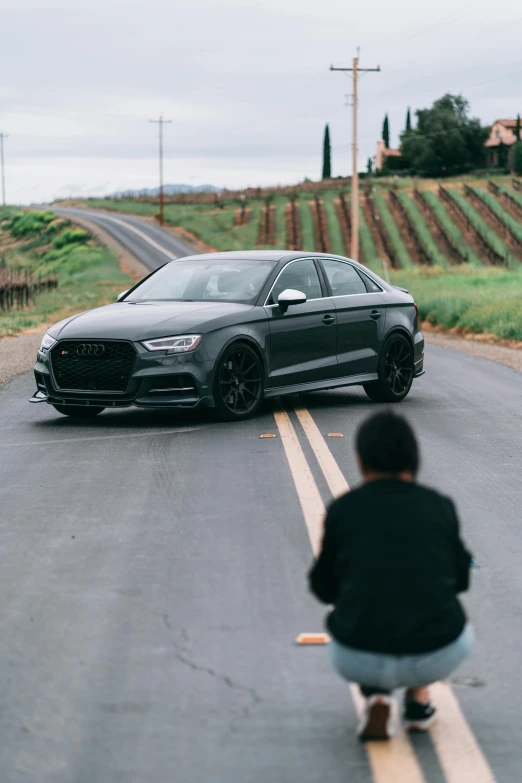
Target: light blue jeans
[(387, 672)]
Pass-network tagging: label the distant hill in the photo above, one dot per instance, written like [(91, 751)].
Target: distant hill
[(169, 190)]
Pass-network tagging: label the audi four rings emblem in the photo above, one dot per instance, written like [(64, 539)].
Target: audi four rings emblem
[(90, 349)]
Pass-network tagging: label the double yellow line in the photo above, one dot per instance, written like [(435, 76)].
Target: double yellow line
[(460, 756)]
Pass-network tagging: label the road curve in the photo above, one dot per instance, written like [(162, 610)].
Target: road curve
[(153, 583), (149, 243)]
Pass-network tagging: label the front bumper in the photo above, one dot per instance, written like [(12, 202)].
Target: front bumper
[(157, 380)]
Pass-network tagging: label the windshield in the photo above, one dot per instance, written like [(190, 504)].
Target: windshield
[(195, 281)]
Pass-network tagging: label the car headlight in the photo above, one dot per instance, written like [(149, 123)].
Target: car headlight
[(47, 342), (181, 344)]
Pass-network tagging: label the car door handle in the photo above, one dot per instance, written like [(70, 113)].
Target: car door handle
[(375, 314), (329, 319)]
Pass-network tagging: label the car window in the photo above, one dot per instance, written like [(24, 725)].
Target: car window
[(371, 287), (343, 278), (301, 276), (199, 280)]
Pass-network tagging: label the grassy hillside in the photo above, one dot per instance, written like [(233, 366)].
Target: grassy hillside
[(60, 267), (473, 279)]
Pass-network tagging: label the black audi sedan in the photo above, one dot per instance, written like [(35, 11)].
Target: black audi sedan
[(227, 330)]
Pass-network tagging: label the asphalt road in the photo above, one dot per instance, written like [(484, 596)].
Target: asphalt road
[(153, 583), (149, 243)]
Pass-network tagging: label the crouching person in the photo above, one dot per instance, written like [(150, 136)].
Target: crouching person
[(392, 565)]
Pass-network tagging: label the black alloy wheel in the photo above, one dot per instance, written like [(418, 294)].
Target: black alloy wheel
[(395, 371), (238, 385), (78, 411)]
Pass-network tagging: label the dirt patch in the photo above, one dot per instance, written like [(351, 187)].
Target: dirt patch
[(379, 234), (509, 203), (468, 230), (242, 215), (293, 226), (322, 239), (18, 354), (489, 216), (438, 232), (407, 230), (266, 234)]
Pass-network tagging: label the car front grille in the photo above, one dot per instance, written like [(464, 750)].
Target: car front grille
[(95, 365)]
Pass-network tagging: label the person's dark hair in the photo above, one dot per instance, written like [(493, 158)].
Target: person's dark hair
[(387, 444)]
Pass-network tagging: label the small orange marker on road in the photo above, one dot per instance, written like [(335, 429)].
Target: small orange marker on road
[(267, 435), (335, 435), (312, 638)]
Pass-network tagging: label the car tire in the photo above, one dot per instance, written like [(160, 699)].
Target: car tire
[(395, 371), (78, 411), (238, 383)]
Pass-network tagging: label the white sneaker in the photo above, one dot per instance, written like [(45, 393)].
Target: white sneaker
[(377, 722)]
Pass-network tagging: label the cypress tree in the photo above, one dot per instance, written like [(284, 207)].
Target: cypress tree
[(386, 132), (327, 154), (517, 129), (408, 120)]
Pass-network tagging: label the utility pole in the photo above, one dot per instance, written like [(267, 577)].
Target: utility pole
[(355, 176), (160, 124), (2, 137)]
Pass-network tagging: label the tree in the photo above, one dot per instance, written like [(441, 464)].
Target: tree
[(369, 167), (515, 158), (327, 154), (517, 129), (386, 132), (408, 121), (446, 140)]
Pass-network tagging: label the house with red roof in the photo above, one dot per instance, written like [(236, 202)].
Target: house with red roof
[(501, 137)]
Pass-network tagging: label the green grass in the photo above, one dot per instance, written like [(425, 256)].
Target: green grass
[(307, 226), (452, 229), (333, 225), (487, 300), (393, 230), (489, 199), (517, 196), (436, 256), (280, 221), (89, 275), (371, 257), (487, 233)]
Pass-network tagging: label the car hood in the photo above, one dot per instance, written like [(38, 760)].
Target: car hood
[(145, 320)]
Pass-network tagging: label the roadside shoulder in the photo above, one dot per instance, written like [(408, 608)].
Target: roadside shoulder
[(512, 357), (18, 354)]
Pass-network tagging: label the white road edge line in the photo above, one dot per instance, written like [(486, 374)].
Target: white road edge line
[(389, 761), (139, 233), (460, 755)]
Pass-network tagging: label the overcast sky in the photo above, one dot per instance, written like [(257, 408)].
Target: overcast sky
[(246, 84)]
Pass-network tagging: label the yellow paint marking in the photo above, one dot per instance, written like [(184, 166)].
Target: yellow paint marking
[(390, 761), (332, 472), (313, 638), (335, 435), (309, 497), (267, 435), (460, 755)]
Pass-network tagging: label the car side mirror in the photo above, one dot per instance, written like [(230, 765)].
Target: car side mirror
[(290, 297), (120, 296)]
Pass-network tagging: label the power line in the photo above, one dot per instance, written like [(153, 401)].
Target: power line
[(355, 70), (2, 137), (161, 122)]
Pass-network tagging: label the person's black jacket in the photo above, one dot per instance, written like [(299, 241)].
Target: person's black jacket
[(392, 563)]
